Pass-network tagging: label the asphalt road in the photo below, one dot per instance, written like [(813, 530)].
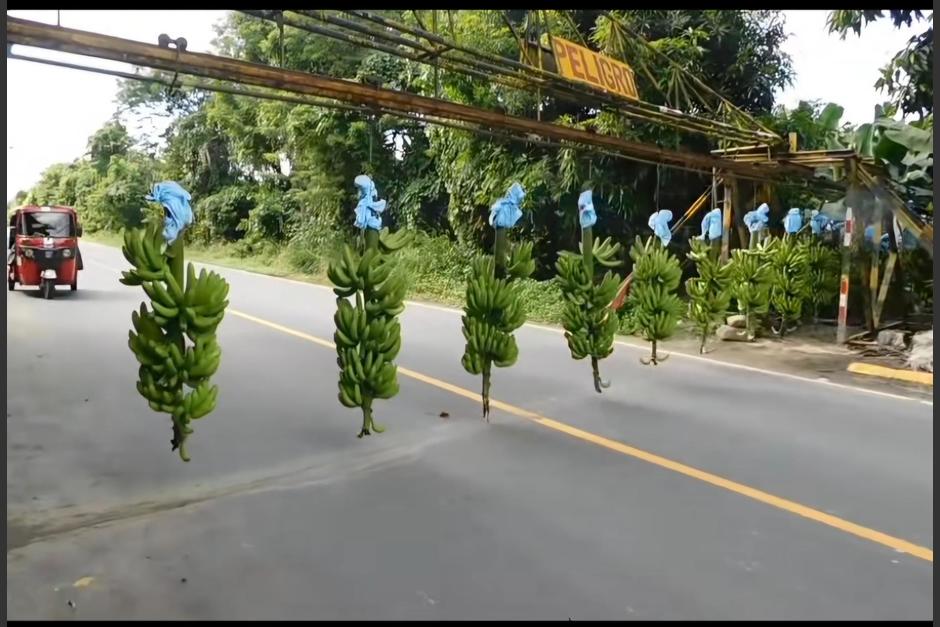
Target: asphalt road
[(686, 491)]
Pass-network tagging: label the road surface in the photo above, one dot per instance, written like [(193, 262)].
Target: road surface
[(686, 491)]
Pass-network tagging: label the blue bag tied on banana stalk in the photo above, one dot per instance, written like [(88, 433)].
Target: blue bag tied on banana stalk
[(370, 208), (175, 201), (870, 239), (505, 212), (659, 222), (757, 220), (711, 226), (793, 221), (819, 222), (586, 213)]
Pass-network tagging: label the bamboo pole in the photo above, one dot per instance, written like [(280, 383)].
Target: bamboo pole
[(730, 184), (883, 292), (873, 272)]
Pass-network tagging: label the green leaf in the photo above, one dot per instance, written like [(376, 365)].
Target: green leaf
[(830, 116)]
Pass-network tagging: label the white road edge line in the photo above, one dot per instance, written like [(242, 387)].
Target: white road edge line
[(726, 364)]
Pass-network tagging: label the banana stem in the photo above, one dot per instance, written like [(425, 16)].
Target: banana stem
[(175, 260), (366, 416), (500, 250), (653, 357), (368, 424), (599, 384), (372, 239), (485, 393), (587, 250)]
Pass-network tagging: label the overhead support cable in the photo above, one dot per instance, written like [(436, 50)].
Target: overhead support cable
[(535, 77)]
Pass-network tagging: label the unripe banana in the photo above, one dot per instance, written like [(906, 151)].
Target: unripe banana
[(367, 337)]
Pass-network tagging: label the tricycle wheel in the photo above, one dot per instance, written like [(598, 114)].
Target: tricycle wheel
[(48, 289), (74, 285), (10, 284)]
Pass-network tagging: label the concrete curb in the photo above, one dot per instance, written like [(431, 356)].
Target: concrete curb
[(911, 376)]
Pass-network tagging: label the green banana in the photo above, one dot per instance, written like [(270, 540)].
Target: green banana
[(656, 275), (587, 318), (192, 307), (790, 275), (367, 335), (709, 292), (493, 310)]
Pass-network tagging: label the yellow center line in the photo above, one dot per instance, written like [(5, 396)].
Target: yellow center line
[(835, 522)]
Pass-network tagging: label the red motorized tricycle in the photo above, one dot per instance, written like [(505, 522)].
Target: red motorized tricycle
[(43, 248)]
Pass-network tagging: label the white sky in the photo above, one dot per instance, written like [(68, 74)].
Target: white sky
[(52, 111)]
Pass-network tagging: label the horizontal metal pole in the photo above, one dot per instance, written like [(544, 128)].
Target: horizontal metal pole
[(27, 33)]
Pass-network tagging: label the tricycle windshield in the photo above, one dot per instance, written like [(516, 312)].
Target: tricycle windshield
[(47, 224)]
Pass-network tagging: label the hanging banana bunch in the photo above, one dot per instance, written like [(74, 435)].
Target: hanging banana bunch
[(178, 310), (494, 307), (589, 321), (656, 275), (750, 283), (709, 292), (790, 279), (368, 334)]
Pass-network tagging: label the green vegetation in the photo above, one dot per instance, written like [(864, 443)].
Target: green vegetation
[(271, 180)]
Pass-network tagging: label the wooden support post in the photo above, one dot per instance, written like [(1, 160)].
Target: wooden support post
[(730, 184), (793, 142), (842, 332), (873, 274), (883, 292), (738, 220), (897, 245), (714, 188)]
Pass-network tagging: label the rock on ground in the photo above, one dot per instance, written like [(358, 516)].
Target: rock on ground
[(921, 357), (737, 321), (892, 338), (730, 334)]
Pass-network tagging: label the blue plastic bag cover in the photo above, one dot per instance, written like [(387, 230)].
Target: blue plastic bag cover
[(711, 225), (586, 209), (819, 222), (757, 220), (369, 208), (175, 200), (793, 221), (659, 222), (885, 239), (505, 212)]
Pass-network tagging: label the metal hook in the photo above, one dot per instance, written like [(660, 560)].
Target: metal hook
[(179, 44)]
